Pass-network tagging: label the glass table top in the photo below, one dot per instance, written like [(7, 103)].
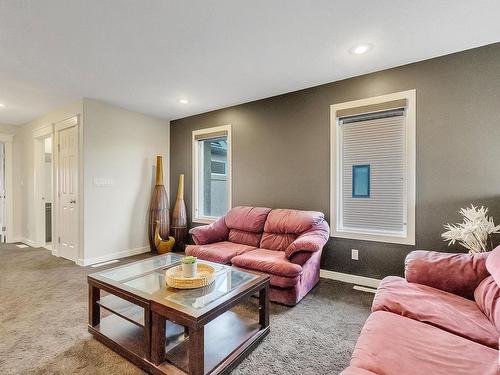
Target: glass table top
[(148, 277), (139, 268)]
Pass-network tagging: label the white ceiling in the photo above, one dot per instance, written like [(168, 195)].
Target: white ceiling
[(145, 55)]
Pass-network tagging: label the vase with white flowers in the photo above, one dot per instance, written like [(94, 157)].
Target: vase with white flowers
[(475, 232)]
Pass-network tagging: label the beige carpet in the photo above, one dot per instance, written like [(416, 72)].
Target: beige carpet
[(43, 324)]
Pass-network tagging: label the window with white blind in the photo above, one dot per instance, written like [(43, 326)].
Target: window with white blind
[(211, 173), (373, 169)]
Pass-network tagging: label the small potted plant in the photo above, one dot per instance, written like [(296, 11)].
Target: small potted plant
[(189, 266)]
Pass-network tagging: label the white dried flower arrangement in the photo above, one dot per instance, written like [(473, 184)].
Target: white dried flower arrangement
[(474, 233)]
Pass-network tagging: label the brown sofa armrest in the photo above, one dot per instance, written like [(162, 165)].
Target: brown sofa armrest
[(455, 273)]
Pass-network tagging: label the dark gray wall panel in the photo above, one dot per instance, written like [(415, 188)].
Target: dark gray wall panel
[(281, 149)]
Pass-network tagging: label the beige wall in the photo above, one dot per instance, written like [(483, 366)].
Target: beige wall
[(9, 129), (120, 145), (117, 144), (23, 170), (281, 149)]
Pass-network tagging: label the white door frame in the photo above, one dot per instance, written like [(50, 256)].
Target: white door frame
[(39, 136), (72, 121), (7, 140)]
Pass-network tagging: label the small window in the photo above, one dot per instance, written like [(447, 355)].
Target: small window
[(373, 169), (211, 171), (361, 181)]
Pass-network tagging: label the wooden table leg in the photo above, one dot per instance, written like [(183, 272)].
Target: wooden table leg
[(147, 333), (157, 338), (196, 351), (264, 307), (94, 308)]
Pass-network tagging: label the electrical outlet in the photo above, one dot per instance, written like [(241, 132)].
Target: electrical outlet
[(354, 254)]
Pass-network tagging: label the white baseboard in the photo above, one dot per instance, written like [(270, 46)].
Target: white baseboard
[(23, 240), (112, 256), (349, 278)]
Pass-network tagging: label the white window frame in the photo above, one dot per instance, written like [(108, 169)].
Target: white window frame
[(410, 170), (210, 219)]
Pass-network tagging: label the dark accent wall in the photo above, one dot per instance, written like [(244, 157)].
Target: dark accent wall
[(281, 150)]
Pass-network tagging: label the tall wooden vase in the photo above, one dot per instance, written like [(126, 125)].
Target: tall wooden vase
[(158, 208), (179, 217)]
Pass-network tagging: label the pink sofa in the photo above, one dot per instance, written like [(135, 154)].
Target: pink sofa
[(286, 244), (444, 318)]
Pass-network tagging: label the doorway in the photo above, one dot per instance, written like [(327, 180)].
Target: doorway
[(6, 212), (56, 188), (3, 207), (44, 186), (67, 202), (47, 198)]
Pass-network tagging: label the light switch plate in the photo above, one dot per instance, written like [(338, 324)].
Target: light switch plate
[(103, 182), (354, 254)]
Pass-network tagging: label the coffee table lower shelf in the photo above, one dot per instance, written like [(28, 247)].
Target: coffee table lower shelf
[(227, 340)]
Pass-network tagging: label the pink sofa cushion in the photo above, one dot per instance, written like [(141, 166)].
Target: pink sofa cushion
[(356, 371), (291, 221), (284, 282), (219, 252), (268, 261), (277, 241), (312, 240), (444, 310), (284, 226), (215, 232), (244, 237), (455, 273), (249, 219), (246, 224), (487, 296), (493, 264), (300, 257), (391, 344)]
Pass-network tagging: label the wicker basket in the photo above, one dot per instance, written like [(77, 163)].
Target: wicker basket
[(205, 275)]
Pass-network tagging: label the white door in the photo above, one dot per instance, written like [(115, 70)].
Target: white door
[(67, 172), (3, 221)]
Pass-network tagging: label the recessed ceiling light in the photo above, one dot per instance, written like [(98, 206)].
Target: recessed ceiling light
[(183, 101), (360, 49), (2, 105)]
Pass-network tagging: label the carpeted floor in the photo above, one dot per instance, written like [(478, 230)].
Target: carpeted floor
[(43, 324)]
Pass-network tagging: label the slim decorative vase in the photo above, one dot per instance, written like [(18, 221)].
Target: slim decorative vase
[(158, 208), (179, 217)]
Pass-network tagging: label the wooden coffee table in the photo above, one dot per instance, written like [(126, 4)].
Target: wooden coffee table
[(169, 331)]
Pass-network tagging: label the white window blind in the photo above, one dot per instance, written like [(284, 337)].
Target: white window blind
[(376, 140)]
